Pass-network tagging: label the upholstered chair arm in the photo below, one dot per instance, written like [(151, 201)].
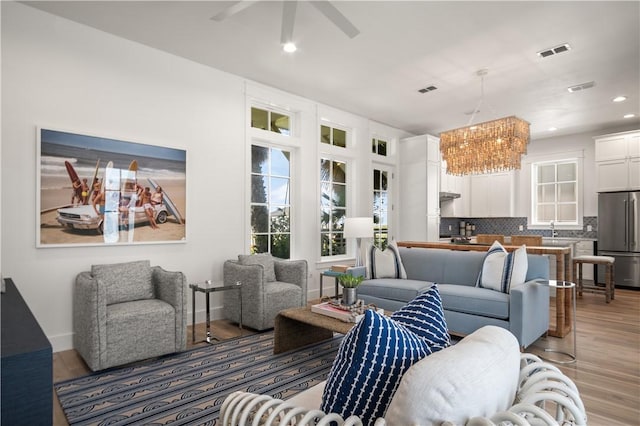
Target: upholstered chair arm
[(90, 320), (253, 292), (528, 311), (171, 287), (294, 272)]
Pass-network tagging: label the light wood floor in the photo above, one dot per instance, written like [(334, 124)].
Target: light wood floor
[(607, 372)]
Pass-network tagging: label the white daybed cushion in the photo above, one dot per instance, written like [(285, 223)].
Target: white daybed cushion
[(476, 377), (310, 398)]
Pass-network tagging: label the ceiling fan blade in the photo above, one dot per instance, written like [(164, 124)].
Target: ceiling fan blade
[(233, 9), (334, 15), (288, 19)]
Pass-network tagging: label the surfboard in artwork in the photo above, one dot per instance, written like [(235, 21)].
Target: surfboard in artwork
[(76, 198), (167, 202)]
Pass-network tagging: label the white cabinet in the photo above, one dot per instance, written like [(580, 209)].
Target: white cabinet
[(492, 195), (618, 162), (457, 207), (419, 188)]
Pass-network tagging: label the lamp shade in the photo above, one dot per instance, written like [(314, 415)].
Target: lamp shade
[(358, 227)]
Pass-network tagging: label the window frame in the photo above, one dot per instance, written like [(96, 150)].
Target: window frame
[(290, 205), (533, 168)]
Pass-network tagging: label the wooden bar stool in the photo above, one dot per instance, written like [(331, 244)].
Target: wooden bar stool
[(609, 283)]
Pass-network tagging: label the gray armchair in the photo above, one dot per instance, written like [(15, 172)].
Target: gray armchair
[(269, 285), (127, 312)]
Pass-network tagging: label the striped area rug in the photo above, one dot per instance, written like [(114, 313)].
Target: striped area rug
[(188, 388)]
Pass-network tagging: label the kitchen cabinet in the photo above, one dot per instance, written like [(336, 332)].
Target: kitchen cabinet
[(617, 159), (457, 207), (419, 188), (491, 195)]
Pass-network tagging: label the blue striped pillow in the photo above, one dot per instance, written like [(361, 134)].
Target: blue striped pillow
[(370, 363), (424, 316), (384, 263), (500, 269)]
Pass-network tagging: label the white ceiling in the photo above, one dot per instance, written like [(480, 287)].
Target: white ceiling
[(406, 46)]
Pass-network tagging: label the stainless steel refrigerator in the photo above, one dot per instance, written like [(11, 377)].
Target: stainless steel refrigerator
[(619, 235)]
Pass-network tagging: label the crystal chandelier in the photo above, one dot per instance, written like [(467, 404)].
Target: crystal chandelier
[(488, 147)]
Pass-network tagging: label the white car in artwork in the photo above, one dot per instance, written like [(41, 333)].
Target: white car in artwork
[(84, 217)]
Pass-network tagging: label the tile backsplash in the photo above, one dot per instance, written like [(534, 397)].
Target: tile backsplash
[(510, 226)]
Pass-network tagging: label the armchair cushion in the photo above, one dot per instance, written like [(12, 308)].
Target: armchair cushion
[(125, 282), (476, 377), (264, 259)]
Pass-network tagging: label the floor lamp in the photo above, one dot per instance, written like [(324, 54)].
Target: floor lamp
[(358, 228)]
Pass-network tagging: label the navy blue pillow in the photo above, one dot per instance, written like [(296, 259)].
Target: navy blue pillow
[(424, 316), (369, 365)]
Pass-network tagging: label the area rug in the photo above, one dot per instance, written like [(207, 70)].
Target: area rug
[(188, 388)]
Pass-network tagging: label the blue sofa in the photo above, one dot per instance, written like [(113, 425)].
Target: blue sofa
[(524, 310)]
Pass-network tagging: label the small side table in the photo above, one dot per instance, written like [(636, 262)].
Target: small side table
[(559, 286), (330, 273), (207, 287)]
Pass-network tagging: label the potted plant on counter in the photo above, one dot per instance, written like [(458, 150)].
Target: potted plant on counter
[(349, 284)]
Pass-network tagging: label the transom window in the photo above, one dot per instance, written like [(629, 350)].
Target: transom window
[(379, 146), (333, 206), (270, 201), (271, 121), (555, 195), (333, 136)]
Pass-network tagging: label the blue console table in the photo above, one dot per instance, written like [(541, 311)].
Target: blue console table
[(27, 371)]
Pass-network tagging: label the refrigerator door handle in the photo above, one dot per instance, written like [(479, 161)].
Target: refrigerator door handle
[(632, 224), (626, 222)]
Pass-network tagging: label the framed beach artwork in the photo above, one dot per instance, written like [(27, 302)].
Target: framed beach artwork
[(96, 191)]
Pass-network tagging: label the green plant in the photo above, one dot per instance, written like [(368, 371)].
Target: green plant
[(349, 281)]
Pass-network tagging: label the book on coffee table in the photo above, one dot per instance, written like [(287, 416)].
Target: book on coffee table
[(329, 309)]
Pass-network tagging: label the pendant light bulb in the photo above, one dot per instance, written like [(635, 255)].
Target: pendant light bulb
[(289, 47)]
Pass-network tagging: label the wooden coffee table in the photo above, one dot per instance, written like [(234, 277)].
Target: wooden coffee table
[(297, 327)]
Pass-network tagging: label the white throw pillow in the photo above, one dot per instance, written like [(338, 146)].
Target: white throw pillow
[(501, 269), (384, 263), (478, 376)]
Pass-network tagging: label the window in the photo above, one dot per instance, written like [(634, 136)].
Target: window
[(271, 121), (333, 206), (270, 201), (379, 146), (333, 136), (555, 195), (381, 207)]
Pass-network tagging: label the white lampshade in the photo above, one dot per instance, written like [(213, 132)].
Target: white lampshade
[(358, 227)]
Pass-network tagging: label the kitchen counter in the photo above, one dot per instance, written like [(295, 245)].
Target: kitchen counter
[(562, 255)]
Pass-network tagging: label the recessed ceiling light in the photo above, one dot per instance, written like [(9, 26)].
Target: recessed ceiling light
[(553, 129), (619, 99), (289, 47), (629, 115)]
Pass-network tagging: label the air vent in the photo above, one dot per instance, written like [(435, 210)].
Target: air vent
[(554, 50), (582, 86), (428, 89)]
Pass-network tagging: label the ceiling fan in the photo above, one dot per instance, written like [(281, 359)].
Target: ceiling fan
[(289, 14)]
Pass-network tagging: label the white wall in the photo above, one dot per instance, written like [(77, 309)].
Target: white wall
[(63, 75)]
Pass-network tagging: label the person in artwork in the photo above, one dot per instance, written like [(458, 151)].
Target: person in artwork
[(156, 197), (84, 186), (148, 208)]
